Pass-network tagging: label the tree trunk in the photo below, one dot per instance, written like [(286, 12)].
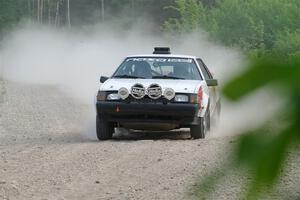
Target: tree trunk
[(132, 5), (38, 10), (33, 9), (102, 10), (57, 13), (42, 11), (49, 12), (132, 8), (68, 13), (29, 7)]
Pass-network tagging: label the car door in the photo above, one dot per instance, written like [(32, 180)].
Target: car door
[(213, 90)]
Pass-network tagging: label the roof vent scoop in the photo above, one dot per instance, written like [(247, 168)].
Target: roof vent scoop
[(162, 50)]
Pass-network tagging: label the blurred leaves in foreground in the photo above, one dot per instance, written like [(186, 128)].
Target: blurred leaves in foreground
[(280, 74), (263, 151)]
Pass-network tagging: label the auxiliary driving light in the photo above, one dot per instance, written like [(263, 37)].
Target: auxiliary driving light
[(169, 93), (123, 93)]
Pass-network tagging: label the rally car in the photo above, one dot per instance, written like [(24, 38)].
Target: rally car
[(158, 92)]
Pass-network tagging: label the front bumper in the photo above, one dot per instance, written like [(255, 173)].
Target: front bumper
[(182, 114)]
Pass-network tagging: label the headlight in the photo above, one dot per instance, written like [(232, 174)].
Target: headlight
[(113, 97), (181, 98)]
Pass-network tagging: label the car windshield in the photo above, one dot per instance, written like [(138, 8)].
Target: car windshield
[(158, 68)]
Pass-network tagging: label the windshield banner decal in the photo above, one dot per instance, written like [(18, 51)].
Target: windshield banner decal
[(184, 60)]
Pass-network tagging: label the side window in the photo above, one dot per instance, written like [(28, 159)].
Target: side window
[(204, 69)]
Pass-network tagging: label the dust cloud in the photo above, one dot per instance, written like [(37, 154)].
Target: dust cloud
[(74, 59)]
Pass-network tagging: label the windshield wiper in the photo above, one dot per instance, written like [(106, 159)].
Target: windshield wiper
[(166, 77), (126, 76)]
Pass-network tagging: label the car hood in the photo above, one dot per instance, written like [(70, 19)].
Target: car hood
[(179, 86)]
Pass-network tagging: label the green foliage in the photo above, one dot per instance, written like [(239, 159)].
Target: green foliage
[(269, 31), (264, 72), (259, 151), (252, 24), (11, 12), (191, 13), (234, 25), (265, 156), (287, 45), (135, 10)]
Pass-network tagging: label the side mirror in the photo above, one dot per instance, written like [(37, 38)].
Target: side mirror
[(103, 79), (212, 82)]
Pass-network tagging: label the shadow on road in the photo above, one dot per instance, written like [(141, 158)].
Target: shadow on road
[(119, 136), (157, 135)]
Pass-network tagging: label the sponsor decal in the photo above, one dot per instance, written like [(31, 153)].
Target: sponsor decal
[(183, 60)]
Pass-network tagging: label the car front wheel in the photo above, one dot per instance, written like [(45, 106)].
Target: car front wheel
[(104, 129)]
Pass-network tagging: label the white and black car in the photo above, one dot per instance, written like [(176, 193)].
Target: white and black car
[(159, 91)]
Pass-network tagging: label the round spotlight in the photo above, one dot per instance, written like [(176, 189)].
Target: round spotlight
[(138, 91), (123, 93), (154, 91), (169, 93)]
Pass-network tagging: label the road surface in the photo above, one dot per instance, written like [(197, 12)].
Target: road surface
[(47, 152)]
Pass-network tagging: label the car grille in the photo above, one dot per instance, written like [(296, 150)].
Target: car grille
[(147, 99)]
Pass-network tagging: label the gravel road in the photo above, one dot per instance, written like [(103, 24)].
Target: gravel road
[(45, 153)]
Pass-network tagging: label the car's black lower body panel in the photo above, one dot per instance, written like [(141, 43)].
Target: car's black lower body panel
[(179, 114)]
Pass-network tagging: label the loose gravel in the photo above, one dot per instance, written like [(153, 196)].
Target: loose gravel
[(46, 153)]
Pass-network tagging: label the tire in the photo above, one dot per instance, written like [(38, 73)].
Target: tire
[(104, 129), (199, 131)]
